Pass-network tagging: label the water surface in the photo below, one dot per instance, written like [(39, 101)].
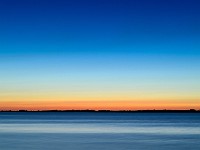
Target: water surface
[(92, 130)]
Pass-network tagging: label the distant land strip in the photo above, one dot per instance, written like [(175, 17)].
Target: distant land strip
[(123, 111)]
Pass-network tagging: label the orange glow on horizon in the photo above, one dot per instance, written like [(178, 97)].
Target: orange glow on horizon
[(97, 105)]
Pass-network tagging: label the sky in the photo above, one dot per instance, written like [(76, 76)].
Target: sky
[(99, 54)]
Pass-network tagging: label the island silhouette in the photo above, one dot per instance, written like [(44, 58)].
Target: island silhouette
[(110, 111)]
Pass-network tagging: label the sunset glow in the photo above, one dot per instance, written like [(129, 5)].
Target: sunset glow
[(118, 55)]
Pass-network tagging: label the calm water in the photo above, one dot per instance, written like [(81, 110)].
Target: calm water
[(99, 131)]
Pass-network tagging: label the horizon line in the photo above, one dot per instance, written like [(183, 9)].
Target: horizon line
[(105, 110)]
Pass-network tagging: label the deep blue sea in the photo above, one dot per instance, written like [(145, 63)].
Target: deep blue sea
[(99, 131)]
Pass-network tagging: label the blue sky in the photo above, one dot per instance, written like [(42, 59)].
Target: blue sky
[(37, 27), (149, 47)]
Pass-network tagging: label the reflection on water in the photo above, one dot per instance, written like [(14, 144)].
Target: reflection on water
[(112, 131)]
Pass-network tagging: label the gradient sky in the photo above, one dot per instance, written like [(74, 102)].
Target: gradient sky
[(99, 54)]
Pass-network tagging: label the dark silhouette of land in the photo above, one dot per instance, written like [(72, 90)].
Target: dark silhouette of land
[(110, 111)]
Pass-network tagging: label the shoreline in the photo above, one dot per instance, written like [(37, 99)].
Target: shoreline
[(110, 111)]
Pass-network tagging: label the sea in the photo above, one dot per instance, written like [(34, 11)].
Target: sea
[(99, 131)]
